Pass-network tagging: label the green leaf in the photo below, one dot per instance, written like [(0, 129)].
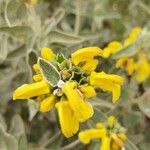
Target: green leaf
[(144, 103), (21, 33), (129, 50), (7, 141), (49, 72), (64, 38)]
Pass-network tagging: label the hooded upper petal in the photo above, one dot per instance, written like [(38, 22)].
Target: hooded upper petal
[(107, 82), (68, 121), (84, 54), (31, 90), (82, 109)]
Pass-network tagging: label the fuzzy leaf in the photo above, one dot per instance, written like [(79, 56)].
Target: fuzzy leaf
[(49, 72), (7, 141), (64, 38), (144, 103), (22, 33)]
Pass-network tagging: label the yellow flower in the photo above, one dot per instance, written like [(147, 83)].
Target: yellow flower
[(143, 69), (133, 35), (107, 82), (68, 121), (107, 133), (84, 54), (83, 110), (65, 84), (31, 90), (47, 53), (112, 48), (128, 64)]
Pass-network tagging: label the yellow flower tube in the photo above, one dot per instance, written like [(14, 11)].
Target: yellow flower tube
[(31, 90)]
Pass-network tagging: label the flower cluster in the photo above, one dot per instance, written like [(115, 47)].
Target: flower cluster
[(66, 83), (137, 65), (111, 134)]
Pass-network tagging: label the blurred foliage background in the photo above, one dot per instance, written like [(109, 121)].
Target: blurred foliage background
[(65, 26)]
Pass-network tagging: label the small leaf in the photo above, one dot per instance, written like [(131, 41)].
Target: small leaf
[(49, 72), (129, 50)]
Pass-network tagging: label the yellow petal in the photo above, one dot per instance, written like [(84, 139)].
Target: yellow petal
[(87, 135), (128, 64), (105, 144), (133, 35), (100, 125), (47, 53), (117, 140), (122, 136), (68, 122), (143, 70), (107, 82), (48, 103), (112, 48), (111, 120), (82, 109), (37, 77), (131, 67), (90, 65), (84, 54), (87, 91), (36, 68), (31, 90)]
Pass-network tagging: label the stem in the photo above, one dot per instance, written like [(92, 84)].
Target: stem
[(70, 146), (51, 140), (78, 17)]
